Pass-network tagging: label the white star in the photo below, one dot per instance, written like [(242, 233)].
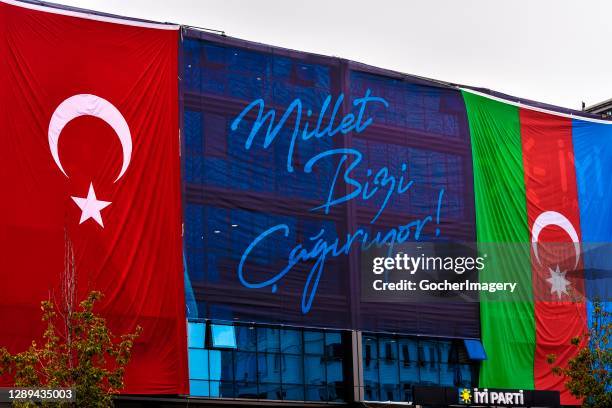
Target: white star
[(91, 206), (558, 282)]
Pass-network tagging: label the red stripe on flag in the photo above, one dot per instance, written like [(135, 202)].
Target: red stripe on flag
[(552, 209)]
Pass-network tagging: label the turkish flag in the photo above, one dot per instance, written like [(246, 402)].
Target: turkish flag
[(89, 161)]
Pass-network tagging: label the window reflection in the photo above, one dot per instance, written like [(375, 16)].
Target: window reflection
[(268, 363), (393, 364)]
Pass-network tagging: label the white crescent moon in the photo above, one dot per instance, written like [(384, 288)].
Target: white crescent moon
[(89, 105), (553, 218)]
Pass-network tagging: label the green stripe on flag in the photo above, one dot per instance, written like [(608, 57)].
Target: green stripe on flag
[(508, 327)]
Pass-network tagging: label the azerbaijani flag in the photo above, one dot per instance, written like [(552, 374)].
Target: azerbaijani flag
[(539, 176)]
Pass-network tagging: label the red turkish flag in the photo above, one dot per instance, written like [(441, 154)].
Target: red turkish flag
[(89, 155)]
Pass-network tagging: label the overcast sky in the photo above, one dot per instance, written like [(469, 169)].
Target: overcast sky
[(555, 51)]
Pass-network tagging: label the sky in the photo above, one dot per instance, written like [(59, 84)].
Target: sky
[(550, 51)]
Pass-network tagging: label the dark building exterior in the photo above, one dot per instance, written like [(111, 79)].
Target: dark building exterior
[(231, 194), (602, 108)]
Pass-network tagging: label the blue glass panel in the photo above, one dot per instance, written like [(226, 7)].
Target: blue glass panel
[(293, 369), (313, 342), (196, 334), (465, 376), (291, 341), (215, 389), (475, 350), (408, 350), (428, 352), (333, 346), (269, 367), (268, 339), (409, 371), (227, 366), (223, 336), (270, 391), (370, 348), (293, 392), (246, 338), (246, 390), (333, 339), (389, 372), (448, 374), (445, 348), (334, 371), (335, 391), (387, 348), (214, 366), (314, 370), (316, 393), (245, 367), (430, 374), (226, 389), (370, 372), (198, 364), (199, 388)]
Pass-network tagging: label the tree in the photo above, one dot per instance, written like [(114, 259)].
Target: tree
[(588, 372), (84, 356)]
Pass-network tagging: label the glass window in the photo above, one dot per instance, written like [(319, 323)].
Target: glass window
[(266, 363), (408, 353), (370, 349), (226, 389), (313, 342), (334, 371), (214, 388), (246, 390), (475, 350), (465, 375), (316, 393), (268, 339), (430, 375), (291, 341), (446, 349), (387, 348), (199, 388), (409, 373), (269, 367), (335, 391), (270, 391), (198, 364), (314, 370), (293, 369), (448, 374), (223, 336), (389, 373), (245, 367), (293, 392), (246, 338), (195, 334), (393, 364), (226, 365)]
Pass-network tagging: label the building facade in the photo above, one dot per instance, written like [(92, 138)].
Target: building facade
[(293, 167), (603, 108), (343, 349)]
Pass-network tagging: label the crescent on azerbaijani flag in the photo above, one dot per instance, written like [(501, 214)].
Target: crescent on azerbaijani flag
[(89, 105), (554, 218)]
